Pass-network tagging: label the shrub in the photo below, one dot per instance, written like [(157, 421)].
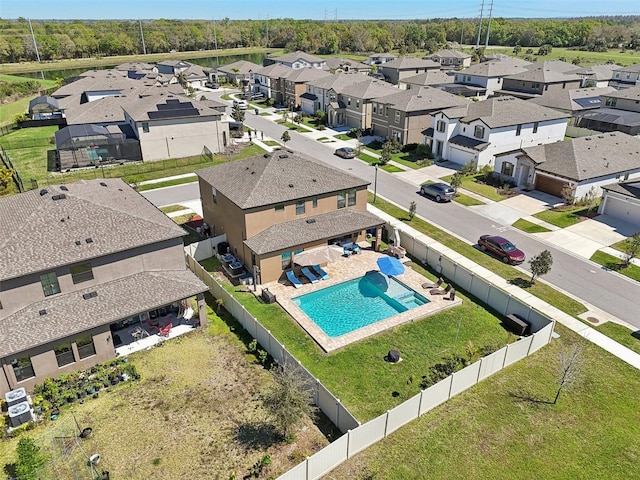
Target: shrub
[(409, 147), (393, 145), (423, 150)]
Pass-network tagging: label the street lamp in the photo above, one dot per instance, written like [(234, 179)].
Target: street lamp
[(375, 184)]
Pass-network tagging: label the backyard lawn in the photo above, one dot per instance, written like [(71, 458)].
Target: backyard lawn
[(195, 413), (507, 427)]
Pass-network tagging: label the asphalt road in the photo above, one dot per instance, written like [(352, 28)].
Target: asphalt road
[(583, 279)]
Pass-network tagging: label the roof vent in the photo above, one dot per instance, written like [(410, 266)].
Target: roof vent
[(283, 155), (266, 155), (42, 312), (291, 185), (103, 184), (78, 242), (311, 220), (64, 188), (89, 240), (43, 192), (314, 180), (60, 196), (89, 295)]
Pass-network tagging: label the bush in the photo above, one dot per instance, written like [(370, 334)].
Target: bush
[(423, 150), (393, 145), (409, 147)]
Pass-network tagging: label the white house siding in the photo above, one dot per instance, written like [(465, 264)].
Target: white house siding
[(621, 207), (583, 187), (185, 137), (461, 156)]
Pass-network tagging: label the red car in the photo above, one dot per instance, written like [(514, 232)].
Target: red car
[(501, 247)]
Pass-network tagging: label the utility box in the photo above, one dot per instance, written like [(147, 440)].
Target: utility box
[(516, 324), (16, 396), (19, 414)]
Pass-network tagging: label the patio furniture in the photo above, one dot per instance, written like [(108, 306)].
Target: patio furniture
[(433, 285), (292, 278), (452, 295), (310, 276), (267, 296), (437, 291), (164, 331), (323, 275), (390, 266), (355, 248), (346, 251)]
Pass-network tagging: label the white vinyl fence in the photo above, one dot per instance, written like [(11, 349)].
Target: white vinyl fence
[(206, 248)]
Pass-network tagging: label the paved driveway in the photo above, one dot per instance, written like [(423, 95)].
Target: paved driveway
[(532, 202)]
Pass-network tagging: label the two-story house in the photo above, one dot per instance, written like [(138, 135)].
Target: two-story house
[(406, 114), (379, 58), (403, 67), (478, 131), (298, 59), (322, 91), (429, 78), (538, 81), (625, 77), (488, 75), (596, 75), (272, 206), (619, 111), (269, 81), (194, 75), (239, 72), (295, 84), (78, 261), (346, 65), (451, 59)]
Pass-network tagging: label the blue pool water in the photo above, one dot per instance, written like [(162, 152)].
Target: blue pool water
[(357, 303)]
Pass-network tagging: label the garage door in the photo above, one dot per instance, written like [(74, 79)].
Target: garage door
[(550, 185), (622, 210), (459, 156)]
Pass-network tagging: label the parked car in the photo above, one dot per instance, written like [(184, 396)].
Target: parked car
[(345, 152), (441, 192), (501, 247), (242, 104), (211, 85)]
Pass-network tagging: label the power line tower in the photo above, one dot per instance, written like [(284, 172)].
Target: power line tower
[(486, 42), (335, 15), (144, 47), (480, 25)]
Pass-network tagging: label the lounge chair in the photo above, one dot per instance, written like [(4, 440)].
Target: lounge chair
[(346, 251), (323, 275), (437, 291), (452, 295), (164, 331), (433, 285), (292, 278), (355, 248), (307, 273)]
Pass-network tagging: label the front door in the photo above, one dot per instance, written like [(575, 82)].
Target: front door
[(523, 179)]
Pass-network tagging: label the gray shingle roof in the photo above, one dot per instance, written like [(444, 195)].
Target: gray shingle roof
[(276, 178), (70, 314), (633, 68), (597, 72), (274, 71), (407, 63), (39, 233), (299, 232), (449, 54), (425, 99), (629, 188), (369, 89), (307, 74), (632, 93), (499, 112), (566, 99), (298, 55), (243, 67), (556, 65), (337, 81), (500, 68), (430, 77), (588, 157), (544, 75), (139, 107)]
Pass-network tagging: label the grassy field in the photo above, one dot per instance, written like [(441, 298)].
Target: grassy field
[(195, 413), (613, 263), (505, 428), (529, 227), (367, 385), (564, 216), (586, 58)]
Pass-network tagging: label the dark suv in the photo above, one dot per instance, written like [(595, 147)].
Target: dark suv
[(440, 191)]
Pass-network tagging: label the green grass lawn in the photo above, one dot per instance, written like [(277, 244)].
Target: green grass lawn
[(466, 200), (8, 111), (408, 159), (529, 227), (564, 216), (613, 263), (619, 246), (621, 334), (167, 183), (506, 427), (375, 161), (293, 126), (343, 136), (470, 183), (173, 208), (366, 382), (586, 58)]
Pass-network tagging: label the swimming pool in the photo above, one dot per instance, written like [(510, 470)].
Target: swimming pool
[(354, 304)]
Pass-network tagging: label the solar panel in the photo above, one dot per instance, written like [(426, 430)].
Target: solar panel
[(589, 101), (190, 112)]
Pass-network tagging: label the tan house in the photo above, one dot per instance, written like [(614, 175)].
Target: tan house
[(272, 206), (236, 72), (406, 114), (403, 67), (353, 105), (295, 84), (538, 81), (80, 262), (451, 59)]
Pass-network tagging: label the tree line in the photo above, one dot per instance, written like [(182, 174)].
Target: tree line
[(88, 38)]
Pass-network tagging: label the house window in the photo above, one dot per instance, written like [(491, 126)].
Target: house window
[(81, 273), (50, 284), (314, 201), (286, 260), (386, 110), (341, 200), (64, 354), (86, 348), (213, 194), (22, 368), (536, 86), (535, 127), (478, 131), (518, 130), (374, 108), (349, 101), (351, 197), (145, 127), (507, 169), (455, 78), (440, 126), (280, 208), (397, 117), (611, 102), (300, 207)]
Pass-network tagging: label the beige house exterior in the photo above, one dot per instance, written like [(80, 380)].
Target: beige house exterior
[(101, 255), (273, 206), (403, 67)]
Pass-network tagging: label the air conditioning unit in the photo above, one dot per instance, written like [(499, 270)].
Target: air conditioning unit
[(19, 414), (16, 396)]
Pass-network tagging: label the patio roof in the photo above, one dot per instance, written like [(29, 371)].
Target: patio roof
[(311, 229)]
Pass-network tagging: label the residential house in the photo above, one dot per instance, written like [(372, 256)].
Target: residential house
[(193, 75), (488, 75), (379, 58), (478, 131), (534, 82), (625, 77), (579, 164), (240, 72), (431, 78), (596, 75), (404, 115), (620, 111), (622, 201), (573, 101), (403, 67), (272, 206), (346, 65), (295, 84), (269, 81), (322, 91), (353, 106), (298, 59), (451, 59), (80, 262)]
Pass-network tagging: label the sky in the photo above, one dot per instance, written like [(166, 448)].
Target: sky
[(308, 9)]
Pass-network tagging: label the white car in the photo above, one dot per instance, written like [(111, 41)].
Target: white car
[(242, 104)]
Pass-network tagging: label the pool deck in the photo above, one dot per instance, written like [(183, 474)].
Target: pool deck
[(349, 268)]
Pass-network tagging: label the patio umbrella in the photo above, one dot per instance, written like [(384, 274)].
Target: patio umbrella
[(372, 283), (316, 256), (390, 266)]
